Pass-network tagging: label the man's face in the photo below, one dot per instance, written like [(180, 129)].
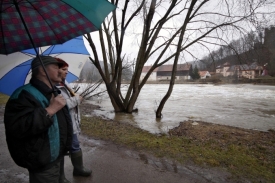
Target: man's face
[(64, 72), (54, 73)]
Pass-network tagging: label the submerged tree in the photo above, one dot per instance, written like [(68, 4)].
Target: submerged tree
[(165, 30)]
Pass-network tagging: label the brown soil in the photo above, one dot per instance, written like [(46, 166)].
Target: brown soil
[(87, 109), (222, 135)]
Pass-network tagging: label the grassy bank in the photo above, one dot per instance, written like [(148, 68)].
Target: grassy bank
[(247, 155), (3, 99)]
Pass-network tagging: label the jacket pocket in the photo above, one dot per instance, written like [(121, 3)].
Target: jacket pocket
[(39, 154)]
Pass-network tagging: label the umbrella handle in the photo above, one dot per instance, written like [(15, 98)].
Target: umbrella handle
[(55, 92)]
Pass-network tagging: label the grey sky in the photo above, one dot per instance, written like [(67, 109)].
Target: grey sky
[(132, 38)]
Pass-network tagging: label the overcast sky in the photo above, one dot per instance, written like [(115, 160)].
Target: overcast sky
[(131, 42)]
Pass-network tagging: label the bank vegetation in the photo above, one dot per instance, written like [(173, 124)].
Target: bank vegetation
[(248, 155)]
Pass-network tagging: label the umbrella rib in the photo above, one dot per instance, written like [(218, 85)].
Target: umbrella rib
[(32, 42), (28, 54), (52, 47)]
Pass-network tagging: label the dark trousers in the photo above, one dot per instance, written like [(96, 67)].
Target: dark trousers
[(75, 144), (50, 175)]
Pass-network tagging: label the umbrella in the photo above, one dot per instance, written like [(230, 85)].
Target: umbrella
[(28, 24), (15, 68), (48, 22)]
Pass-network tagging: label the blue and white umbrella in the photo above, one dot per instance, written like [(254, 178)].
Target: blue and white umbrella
[(15, 68)]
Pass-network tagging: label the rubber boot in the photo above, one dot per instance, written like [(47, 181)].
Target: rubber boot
[(77, 162), (62, 178)]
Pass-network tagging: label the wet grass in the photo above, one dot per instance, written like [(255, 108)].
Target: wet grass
[(245, 160), (3, 99)]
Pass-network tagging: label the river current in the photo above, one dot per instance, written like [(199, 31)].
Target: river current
[(246, 106)]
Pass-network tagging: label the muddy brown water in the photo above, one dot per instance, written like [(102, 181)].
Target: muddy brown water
[(246, 105)]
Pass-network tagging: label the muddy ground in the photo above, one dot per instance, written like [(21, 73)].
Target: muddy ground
[(222, 134)]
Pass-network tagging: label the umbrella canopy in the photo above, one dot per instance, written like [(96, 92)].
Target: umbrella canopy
[(27, 24), (15, 68)]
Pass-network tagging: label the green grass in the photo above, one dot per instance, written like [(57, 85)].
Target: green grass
[(243, 162), (3, 98)]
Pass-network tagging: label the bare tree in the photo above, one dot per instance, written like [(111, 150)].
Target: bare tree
[(165, 31)]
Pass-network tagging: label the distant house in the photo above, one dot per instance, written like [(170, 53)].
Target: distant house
[(247, 71), (152, 77), (204, 74), (250, 71), (223, 69), (164, 72)]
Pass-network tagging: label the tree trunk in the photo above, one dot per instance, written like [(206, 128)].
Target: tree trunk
[(174, 71)]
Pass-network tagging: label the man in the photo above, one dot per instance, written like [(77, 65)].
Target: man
[(38, 125), (73, 101)]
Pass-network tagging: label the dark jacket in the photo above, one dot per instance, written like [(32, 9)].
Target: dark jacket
[(36, 141)]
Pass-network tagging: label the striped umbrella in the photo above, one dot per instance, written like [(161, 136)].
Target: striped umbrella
[(15, 68)]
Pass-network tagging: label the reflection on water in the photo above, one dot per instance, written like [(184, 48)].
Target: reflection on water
[(246, 106)]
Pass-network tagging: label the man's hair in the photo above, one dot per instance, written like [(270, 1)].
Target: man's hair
[(35, 73)]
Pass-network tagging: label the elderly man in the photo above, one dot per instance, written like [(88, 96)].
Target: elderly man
[(38, 124)]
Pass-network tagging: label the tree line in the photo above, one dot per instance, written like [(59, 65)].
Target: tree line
[(251, 47)]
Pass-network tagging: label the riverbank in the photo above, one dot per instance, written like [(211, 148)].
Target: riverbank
[(246, 155)]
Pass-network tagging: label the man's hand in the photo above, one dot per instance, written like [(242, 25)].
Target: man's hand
[(56, 103)]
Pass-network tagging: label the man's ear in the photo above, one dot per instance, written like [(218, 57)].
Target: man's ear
[(41, 70)]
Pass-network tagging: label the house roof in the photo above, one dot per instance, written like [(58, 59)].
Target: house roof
[(184, 67), (168, 68), (203, 73), (245, 67), (147, 68), (255, 66), (233, 68), (226, 64), (165, 68), (180, 67)]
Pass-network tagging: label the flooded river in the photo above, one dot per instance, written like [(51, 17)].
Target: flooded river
[(246, 106)]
